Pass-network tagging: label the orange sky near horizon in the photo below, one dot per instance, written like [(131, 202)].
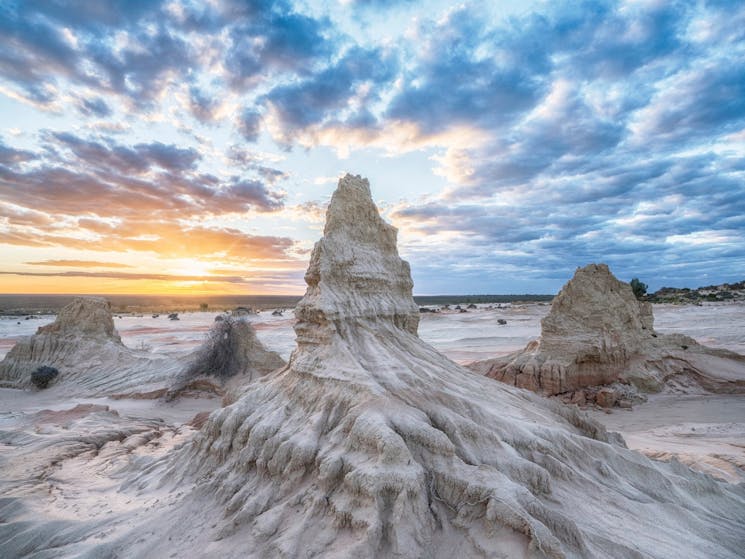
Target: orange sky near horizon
[(64, 271), (25, 285)]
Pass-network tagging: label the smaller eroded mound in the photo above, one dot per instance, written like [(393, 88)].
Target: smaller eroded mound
[(230, 357), (88, 317), (84, 346), (598, 333)]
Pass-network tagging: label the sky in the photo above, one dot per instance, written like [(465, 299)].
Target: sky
[(179, 146)]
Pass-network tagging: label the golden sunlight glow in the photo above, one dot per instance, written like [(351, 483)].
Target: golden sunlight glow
[(107, 286), (192, 267)]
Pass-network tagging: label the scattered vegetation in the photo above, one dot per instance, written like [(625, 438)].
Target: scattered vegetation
[(710, 293), (220, 354), (638, 287), (428, 300), (42, 376)]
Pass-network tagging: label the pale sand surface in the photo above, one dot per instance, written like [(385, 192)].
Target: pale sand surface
[(463, 337), (705, 431), (18, 402)]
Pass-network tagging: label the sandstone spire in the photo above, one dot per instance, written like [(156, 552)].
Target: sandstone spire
[(355, 274), (597, 333)]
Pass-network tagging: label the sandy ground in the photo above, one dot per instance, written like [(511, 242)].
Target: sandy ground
[(706, 432), (18, 402)]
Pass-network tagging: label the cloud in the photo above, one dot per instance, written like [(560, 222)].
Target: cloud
[(165, 239), (624, 109), (100, 195), (249, 124), (205, 107), (79, 264), (700, 102), (11, 157), (94, 107), (340, 92), (467, 72), (129, 276), (375, 4), (92, 15), (135, 159), (137, 52), (15, 215), (247, 160), (251, 193), (108, 179), (271, 175), (641, 218), (45, 45), (271, 37)]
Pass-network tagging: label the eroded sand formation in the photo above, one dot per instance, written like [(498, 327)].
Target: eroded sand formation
[(84, 346), (372, 444), (598, 333)]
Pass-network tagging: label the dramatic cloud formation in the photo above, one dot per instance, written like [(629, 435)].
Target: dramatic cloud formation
[(510, 142), (130, 276), (79, 264)]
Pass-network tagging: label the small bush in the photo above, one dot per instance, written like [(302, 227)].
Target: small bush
[(219, 356), (639, 288), (42, 376)]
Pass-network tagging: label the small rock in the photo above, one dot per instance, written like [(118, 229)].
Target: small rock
[(605, 398), (579, 398), (625, 404)]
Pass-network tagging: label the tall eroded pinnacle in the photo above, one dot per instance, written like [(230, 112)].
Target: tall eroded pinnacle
[(355, 273)]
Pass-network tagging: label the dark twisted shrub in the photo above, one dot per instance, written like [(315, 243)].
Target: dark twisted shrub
[(42, 376)]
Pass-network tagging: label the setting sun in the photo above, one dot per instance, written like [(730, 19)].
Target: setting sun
[(193, 268)]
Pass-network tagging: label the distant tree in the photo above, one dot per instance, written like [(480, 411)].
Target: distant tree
[(203, 306), (639, 288)]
